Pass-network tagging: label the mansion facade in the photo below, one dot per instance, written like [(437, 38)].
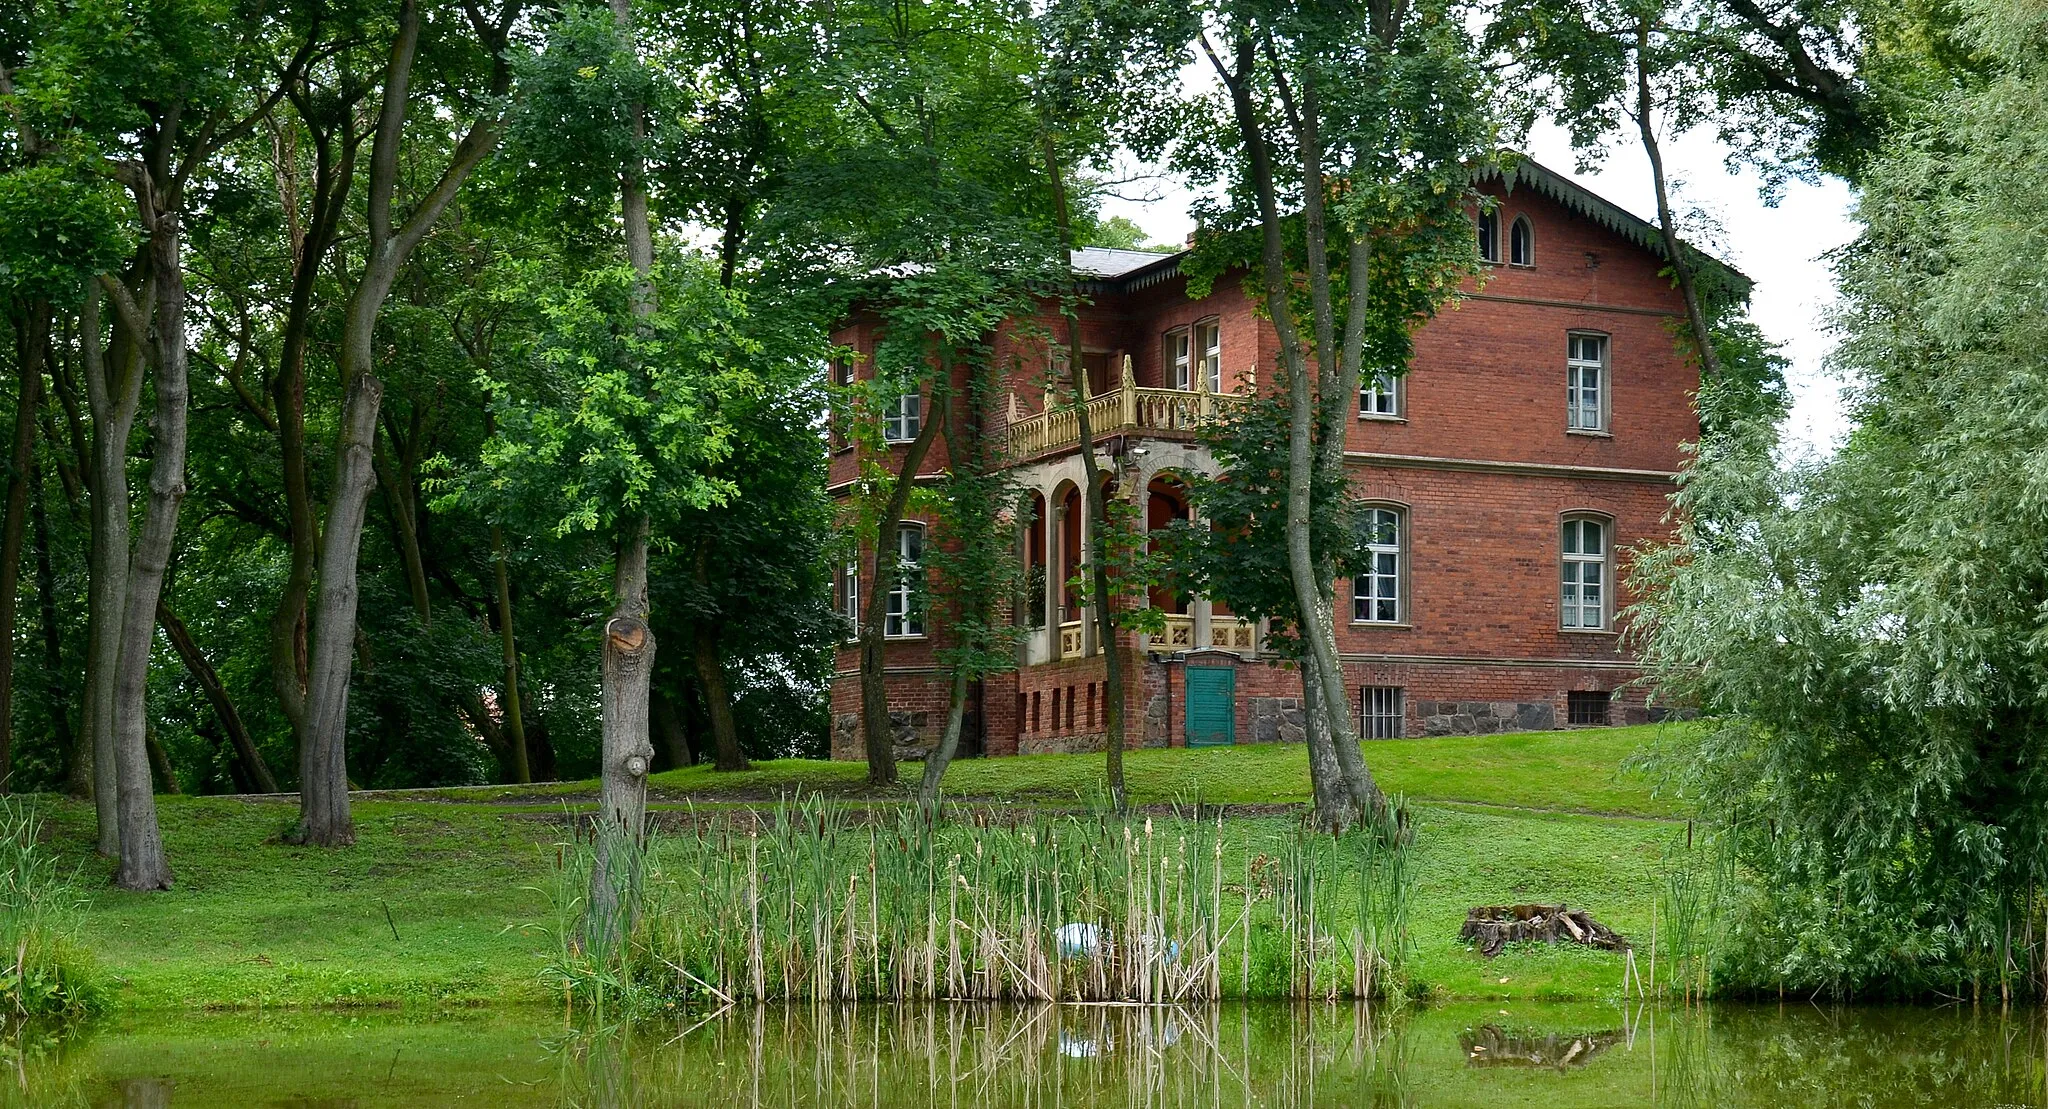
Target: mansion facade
[(1535, 438)]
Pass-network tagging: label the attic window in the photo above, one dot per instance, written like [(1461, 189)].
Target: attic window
[(1521, 248), (1489, 235)]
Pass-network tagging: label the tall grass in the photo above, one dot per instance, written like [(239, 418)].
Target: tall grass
[(813, 902), (44, 972)]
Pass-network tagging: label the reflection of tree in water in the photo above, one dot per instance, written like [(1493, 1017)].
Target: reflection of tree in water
[(1493, 1046)]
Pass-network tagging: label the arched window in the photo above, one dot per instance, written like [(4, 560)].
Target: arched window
[(1376, 591), (1521, 248), (1583, 573), (906, 597), (1489, 235)]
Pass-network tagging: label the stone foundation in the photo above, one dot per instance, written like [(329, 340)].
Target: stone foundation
[(1484, 717), (1277, 720)]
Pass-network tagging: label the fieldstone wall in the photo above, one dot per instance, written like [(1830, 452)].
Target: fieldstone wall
[(916, 733), (1484, 717), (1277, 720)]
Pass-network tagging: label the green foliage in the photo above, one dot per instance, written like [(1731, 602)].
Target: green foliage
[(46, 973), (1867, 631), (58, 227), (1238, 555)]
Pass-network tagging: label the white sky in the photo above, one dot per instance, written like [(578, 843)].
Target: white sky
[(1782, 248)]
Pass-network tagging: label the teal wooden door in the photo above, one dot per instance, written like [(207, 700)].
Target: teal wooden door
[(1212, 706)]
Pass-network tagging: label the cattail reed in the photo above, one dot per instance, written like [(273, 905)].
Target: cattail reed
[(797, 904)]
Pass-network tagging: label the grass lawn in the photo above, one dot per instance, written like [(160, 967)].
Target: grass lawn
[(255, 923)]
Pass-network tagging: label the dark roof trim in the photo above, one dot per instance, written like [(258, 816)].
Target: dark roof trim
[(1520, 170)]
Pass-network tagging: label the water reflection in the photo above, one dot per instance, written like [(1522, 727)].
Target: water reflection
[(1049, 1057)]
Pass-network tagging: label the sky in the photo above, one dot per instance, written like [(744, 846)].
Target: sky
[(1783, 248)]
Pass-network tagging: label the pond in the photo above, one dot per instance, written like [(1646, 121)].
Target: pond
[(1072, 1055)]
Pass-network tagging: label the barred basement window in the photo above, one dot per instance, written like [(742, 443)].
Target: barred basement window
[(1586, 706), (1381, 715)]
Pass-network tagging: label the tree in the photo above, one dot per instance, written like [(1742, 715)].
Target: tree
[(1379, 115), (1862, 635)]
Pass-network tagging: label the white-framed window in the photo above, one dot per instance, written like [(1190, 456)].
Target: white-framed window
[(1193, 351), (1209, 353), (903, 419), (849, 597), (1489, 234), (1380, 713), (905, 616), (1521, 243), (1379, 395), (1376, 590), (1585, 382), (1583, 574), (1180, 358), (842, 371)]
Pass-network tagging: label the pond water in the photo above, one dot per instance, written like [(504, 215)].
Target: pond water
[(1081, 1056)]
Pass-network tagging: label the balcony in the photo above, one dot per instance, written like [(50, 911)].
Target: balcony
[(1126, 410), (1226, 633)]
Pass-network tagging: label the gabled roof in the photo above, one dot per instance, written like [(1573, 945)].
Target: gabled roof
[(1520, 170), (1128, 271)]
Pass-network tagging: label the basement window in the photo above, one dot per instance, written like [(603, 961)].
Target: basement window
[(1381, 716), (1587, 707)]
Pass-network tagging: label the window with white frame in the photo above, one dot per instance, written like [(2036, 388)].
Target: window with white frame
[(1380, 712), (1379, 394), (1521, 247), (1489, 234), (902, 420), (1195, 354), (849, 597), (1180, 358), (842, 371), (1585, 382), (1209, 353), (906, 598), (1583, 574), (1376, 590)]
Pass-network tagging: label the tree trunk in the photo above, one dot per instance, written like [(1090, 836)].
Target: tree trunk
[(32, 346), (247, 756), (143, 866), (78, 757), (162, 773), (403, 506), (1317, 631), (669, 726), (935, 764), (323, 749), (113, 389), (710, 665), (1096, 503), (878, 737), (1695, 315), (324, 819), (515, 725), (628, 677)]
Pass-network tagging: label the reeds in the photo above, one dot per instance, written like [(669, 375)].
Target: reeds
[(816, 903), (44, 973)]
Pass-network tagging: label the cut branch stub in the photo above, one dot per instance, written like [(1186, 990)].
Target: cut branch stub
[(627, 634)]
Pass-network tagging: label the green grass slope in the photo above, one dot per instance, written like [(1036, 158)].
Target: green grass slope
[(431, 906)]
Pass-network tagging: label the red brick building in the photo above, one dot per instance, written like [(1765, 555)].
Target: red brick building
[(1534, 440)]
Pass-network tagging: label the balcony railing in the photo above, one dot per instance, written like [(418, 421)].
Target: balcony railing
[(1226, 633), (1126, 409)]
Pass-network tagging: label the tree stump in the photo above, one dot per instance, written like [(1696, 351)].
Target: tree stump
[(1493, 927)]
